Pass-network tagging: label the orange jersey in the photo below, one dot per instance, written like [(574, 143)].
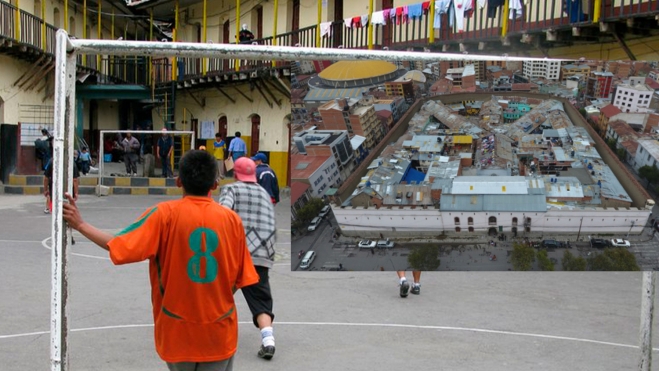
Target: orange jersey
[(197, 257)]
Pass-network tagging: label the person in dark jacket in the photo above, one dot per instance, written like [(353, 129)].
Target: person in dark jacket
[(266, 177)]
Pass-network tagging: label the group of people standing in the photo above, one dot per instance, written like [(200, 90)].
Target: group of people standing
[(200, 252)]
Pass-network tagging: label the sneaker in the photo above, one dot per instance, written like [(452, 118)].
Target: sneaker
[(134, 174), (404, 289), (266, 352), (46, 211), (416, 289)]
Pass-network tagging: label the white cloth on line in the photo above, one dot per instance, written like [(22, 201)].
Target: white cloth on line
[(442, 7), (348, 22), (325, 28), (481, 3), (460, 6), (378, 18), (515, 5), (364, 20)]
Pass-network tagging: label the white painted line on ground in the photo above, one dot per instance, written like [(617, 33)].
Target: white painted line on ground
[(45, 245), (394, 325), (18, 241)]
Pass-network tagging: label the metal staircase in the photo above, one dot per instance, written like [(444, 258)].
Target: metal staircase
[(164, 98)]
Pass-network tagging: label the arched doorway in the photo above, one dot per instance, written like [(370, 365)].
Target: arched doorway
[(492, 231), (222, 127), (56, 18), (256, 132)]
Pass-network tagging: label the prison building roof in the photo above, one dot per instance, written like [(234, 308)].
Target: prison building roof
[(493, 203), (473, 185)]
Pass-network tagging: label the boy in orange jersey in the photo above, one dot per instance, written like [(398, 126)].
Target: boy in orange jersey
[(197, 256)]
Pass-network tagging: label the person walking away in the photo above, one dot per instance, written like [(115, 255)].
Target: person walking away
[(85, 159), (197, 256), (48, 185), (405, 286), (252, 203), (131, 148), (266, 177), (237, 147), (218, 152), (164, 152), (42, 148)]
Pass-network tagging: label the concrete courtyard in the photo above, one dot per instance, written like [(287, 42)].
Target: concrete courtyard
[(325, 320)]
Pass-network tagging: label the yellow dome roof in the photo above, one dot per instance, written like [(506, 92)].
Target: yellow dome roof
[(356, 70)]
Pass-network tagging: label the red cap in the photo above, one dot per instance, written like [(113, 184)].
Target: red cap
[(245, 170)]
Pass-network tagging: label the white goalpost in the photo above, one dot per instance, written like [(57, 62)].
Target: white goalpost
[(65, 79)]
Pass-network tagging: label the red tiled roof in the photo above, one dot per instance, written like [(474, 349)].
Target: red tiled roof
[(297, 190), (610, 110), (313, 163), (383, 113), (651, 83)]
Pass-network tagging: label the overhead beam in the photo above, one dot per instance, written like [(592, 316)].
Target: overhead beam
[(265, 86), (226, 95), (275, 85), (201, 103), (243, 94), (621, 41), (31, 69), (255, 82)]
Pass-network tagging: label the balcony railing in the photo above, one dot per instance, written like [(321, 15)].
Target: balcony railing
[(483, 25)]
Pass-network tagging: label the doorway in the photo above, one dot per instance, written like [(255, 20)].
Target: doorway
[(388, 28), (337, 34), (222, 127), (256, 128)]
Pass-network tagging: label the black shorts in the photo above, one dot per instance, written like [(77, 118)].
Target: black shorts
[(258, 296)]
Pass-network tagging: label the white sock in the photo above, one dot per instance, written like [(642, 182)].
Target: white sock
[(417, 284), (403, 279), (267, 337)]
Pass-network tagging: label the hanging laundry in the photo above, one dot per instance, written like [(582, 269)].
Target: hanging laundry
[(573, 9), (325, 28), (515, 9), (415, 11), (492, 6), (442, 7), (364, 20), (406, 14), (425, 6), (379, 17), (481, 4), (357, 22), (585, 7), (460, 6), (399, 15), (348, 22)]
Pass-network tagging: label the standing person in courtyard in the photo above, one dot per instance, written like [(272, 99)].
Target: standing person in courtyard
[(405, 286), (237, 148), (266, 177), (218, 152), (253, 205), (131, 149), (197, 257), (48, 183), (164, 152)]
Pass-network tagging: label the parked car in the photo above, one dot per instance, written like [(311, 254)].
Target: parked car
[(598, 243), (385, 244), (324, 211), (619, 242), (551, 244), (366, 244), (314, 224), (308, 259)]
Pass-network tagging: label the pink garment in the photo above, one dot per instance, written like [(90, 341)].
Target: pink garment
[(399, 14), (406, 13)]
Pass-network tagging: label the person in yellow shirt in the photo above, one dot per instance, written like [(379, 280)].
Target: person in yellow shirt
[(219, 154)]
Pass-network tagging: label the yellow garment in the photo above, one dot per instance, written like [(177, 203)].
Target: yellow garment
[(219, 152)]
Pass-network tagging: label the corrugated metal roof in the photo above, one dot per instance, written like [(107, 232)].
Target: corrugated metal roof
[(493, 203), (475, 185), (462, 139)]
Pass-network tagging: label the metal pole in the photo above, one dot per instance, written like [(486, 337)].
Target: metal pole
[(647, 312), (274, 29), (84, 27), (596, 11), (17, 21), (43, 25), (630, 229), (174, 38), (431, 38), (319, 20), (237, 66), (150, 78), (98, 36), (65, 74), (504, 16), (66, 16), (371, 29), (204, 38), (580, 223)]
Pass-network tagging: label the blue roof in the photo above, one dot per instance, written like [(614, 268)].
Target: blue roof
[(414, 176)]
